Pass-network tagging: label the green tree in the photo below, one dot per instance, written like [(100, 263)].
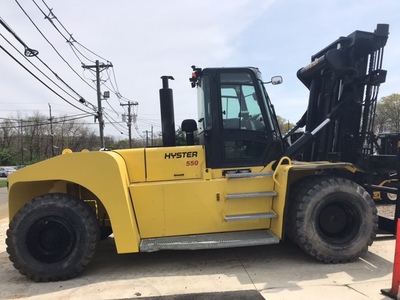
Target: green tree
[(388, 114), (284, 125), (6, 156)]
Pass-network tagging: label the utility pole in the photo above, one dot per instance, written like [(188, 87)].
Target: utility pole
[(51, 131), (152, 139), (22, 142), (147, 137), (129, 123), (98, 68)]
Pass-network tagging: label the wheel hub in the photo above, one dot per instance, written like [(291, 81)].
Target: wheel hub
[(333, 219), (338, 222), (51, 239)]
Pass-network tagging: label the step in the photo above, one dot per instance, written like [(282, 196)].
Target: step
[(251, 195), (210, 241), (254, 216), (248, 175)]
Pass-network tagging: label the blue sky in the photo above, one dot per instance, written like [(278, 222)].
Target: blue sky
[(147, 39)]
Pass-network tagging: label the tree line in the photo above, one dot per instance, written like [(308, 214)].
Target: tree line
[(26, 140)]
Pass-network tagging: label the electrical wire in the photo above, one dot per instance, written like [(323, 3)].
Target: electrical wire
[(41, 81), (54, 48), (55, 74), (71, 41), (41, 123), (69, 34), (116, 88), (28, 51), (52, 18), (107, 117), (112, 108)]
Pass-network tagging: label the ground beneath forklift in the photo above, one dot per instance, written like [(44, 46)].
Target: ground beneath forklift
[(280, 271)]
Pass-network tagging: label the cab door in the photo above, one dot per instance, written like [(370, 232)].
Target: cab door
[(240, 129)]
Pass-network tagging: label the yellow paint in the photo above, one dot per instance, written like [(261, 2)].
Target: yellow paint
[(182, 207), (281, 179), (158, 192), (174, 163), (135, 164), (103, 173)]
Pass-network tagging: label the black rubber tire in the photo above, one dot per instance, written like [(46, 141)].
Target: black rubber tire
[(52, 238), (332, 219)]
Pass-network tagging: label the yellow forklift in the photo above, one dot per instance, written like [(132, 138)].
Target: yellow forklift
[(243, 184)]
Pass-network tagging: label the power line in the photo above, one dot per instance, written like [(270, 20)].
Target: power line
[(115, 89), (114, 123), (41, 123), (37, 78), (55, 74), (72, 117), (54, 48), (72, 42), (28, 51), (69, 40), (53, 16)]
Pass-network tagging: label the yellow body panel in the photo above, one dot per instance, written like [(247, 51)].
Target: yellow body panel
[(189, 207), (104, 174), (135, 163), (158, 192), (182, 197), (174, 163)]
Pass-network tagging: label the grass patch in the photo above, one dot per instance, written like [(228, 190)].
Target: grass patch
[(3, 183)]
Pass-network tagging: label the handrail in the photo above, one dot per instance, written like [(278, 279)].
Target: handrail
[(281, 161)]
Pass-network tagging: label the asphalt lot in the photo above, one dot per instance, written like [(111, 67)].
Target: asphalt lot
[(271, 272)]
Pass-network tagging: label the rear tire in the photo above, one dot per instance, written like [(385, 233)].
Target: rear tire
[(53, 237), (332, 219)]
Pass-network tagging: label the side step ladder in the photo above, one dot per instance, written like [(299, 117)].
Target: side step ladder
[(250, 216), (210, 241)]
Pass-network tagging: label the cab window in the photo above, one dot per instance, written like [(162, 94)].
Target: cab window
[(241, 113), (240, 109)]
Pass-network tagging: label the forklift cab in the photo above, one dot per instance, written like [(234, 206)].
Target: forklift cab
[(237, 124)]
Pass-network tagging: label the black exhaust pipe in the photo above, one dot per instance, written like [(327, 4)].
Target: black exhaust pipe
[(167, 113)]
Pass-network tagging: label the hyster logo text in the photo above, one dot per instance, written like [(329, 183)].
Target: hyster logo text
[(180, 155)]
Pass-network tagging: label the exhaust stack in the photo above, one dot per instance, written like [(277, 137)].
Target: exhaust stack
[(167, 113)]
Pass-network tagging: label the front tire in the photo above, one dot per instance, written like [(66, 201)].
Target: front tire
[(332, 219), (53, 237)]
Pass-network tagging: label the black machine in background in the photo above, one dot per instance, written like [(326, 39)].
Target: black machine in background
[(387, 143), (344, 80)]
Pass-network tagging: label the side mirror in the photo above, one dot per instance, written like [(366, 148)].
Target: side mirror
[(189, 126), (275, 80)]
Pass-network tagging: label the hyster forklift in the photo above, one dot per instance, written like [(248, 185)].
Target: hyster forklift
[(242, 185)]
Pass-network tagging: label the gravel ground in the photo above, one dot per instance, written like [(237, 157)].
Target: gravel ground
[(386, 210)]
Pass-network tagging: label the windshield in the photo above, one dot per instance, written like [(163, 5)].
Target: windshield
[(240, 109)]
